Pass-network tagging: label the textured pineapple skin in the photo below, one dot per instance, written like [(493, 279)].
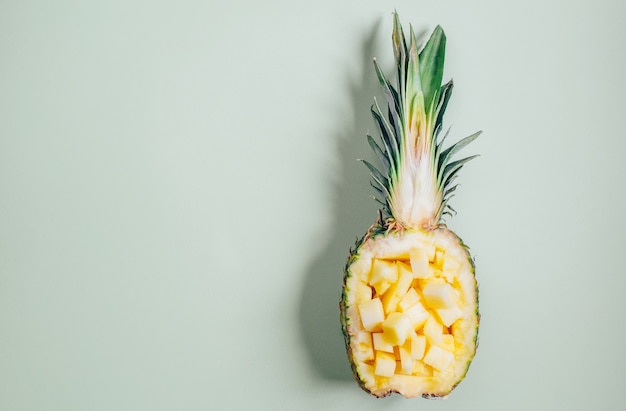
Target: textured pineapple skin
[(376, 230)]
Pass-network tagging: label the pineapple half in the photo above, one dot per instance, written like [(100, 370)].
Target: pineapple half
[(409, 306)]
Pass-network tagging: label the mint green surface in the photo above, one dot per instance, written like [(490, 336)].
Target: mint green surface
[(179, 191)]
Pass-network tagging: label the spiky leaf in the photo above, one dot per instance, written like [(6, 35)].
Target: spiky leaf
[(417, 170)]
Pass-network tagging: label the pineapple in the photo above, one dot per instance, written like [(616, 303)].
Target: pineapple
[(409, 306)]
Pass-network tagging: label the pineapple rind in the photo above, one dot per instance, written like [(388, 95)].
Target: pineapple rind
[(377, 242)]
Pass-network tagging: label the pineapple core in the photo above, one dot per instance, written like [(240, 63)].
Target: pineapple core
[(408, 306)]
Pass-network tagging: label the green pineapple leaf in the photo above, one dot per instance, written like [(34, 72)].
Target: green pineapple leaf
[(410, 132), (431, 60)]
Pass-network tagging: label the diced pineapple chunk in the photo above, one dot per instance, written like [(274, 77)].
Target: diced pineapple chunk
[(385, 364), (409, 300), (419, 263), (393, 296), (390, 301), (405, 278), (381, 287), (449, 315), (397, 327), (423, 282), (439, 295), (383, 271), (372, 314), (406, 358), (418, 346), (438, 358), (417, 314), (363, 292), (381, 343), (433, 330), (450, 268)]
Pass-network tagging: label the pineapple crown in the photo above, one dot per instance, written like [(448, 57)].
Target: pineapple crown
[(417, 173)]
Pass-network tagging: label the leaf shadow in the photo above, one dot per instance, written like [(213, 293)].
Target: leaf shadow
[(353, 212)]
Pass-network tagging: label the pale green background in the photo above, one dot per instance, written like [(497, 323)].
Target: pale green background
[(179, 190)]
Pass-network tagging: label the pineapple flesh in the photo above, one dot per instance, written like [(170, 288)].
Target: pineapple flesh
[(409, 306)]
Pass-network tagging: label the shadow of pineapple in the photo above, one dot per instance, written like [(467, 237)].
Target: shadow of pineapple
[(353, 212)]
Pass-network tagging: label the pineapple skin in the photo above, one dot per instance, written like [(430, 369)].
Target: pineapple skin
[(349, 328)]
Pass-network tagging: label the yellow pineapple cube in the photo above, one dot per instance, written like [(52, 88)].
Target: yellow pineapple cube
[(393, 296), (418, 346), (363, 292), (438, 358), (372, 314), (449, 316), (397, 327), (433, 330), (405, 278), (383, 271), (421, 283), (381, 343), (439, 295), (390, 301), (409, 300), (381, 287), (385, 364), (417, 314), (450, 268), (406, 358), (419, 263)]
